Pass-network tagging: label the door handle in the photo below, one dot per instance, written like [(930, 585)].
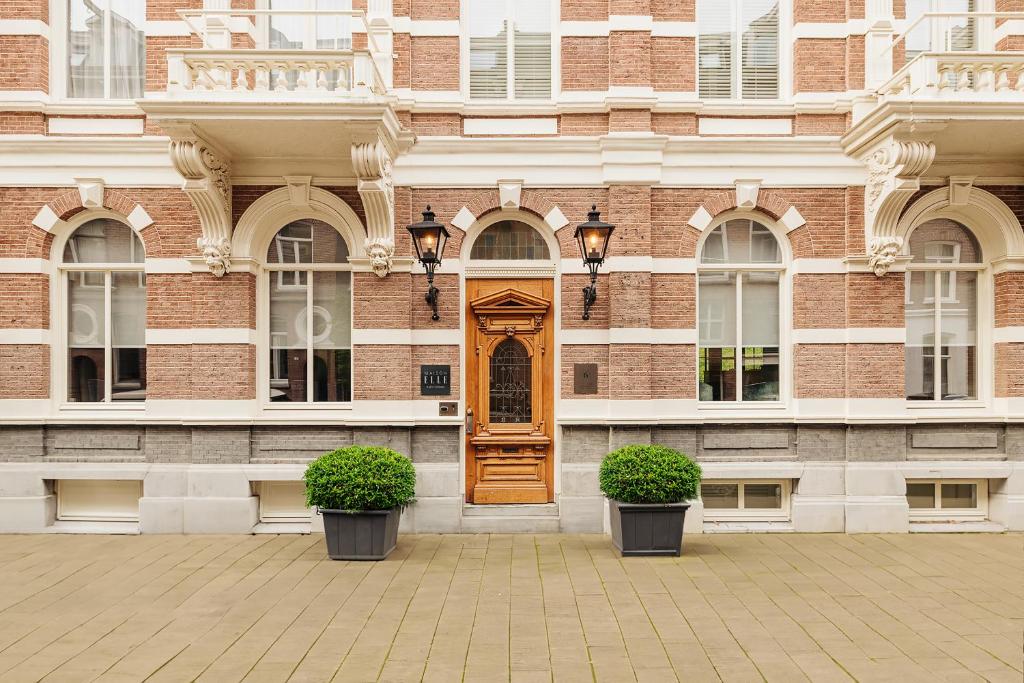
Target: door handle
[(469, 421)]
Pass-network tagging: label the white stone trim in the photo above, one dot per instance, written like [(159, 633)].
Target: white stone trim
[(1010, 27), (167, 28), (807, 29), (24, 265), (792, 219), (746, 193), (630, 22), (406, 337), (628, 335), (700, 219), (674, 29), (744, 126), (582, 29), (434, 27), (24, 27), (510, 126), (200, 335), (139, 219), (165, 266), (1008, 335), (64, 125), (91, 191), (46, 219), (464, 219), (24, 336), (851, 335), (819, 266), (555, 219), (510, 192), (613, 264)]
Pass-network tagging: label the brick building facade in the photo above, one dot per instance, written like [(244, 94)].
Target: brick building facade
[(812, 286)]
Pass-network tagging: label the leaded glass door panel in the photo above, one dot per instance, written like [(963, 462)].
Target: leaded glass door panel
[(509, 379)]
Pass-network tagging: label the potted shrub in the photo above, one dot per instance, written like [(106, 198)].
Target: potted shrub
[(648, 487), (360, 491)]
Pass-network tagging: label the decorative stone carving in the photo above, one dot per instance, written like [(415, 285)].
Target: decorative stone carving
[(207, 175), (91, 192), (882, 253), (371, 162), (380, 250)]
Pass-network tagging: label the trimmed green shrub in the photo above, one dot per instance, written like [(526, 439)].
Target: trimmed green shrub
[(360, 478), (649, 474)]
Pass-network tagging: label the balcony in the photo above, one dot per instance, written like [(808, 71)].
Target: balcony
[(956, 91), (281, 96)]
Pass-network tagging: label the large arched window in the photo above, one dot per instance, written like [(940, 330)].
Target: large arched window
[(738, 315), (103, 268), (510, 241), (942, 312), (310, 354)]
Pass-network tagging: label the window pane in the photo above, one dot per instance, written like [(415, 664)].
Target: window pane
[(288, 31), (287, 337), (510, 240), (717, 316), (128, 332), (959, 336), (921, 496), (960, 496), (919, 352), (944, 241), (86, 336), (511, 381), (85, 49), (760, 49), (741, 241), (532, 47), (334, 32), (307, 241), (488, 49), (761, 309), (761, 373), (762, 496), (716, 374), (720, 496), (104, 241), (127, 49), (332, 336), (716, 29)]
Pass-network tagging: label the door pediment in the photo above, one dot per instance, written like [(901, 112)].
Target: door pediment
[(508, 301)]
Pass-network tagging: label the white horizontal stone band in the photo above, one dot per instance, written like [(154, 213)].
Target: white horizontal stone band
[(406, 337), (24, 265), (23, 27), (851, 335), (629, 22), (24, 336), (627, 335), (165, 266), (198, 335), (806, 29), (1008, 335), (434, 27)]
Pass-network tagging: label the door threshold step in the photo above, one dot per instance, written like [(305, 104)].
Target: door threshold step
[(511, 525), (516, 510)]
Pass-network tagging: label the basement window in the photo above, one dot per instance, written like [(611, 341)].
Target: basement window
[(283, 502), (947, 499), (747, 500), (98, 500)]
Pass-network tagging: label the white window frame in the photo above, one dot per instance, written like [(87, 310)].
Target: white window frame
[(265, 352), (785, 57), (744, 514), (785, 299), (60, 22), (59, 323), (271, 492), (940, 514), (982, 348), (556, 62), (112, 491)]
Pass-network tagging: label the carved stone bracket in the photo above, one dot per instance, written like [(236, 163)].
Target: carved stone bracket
[(894, 175), (207, 175), (371, 162)]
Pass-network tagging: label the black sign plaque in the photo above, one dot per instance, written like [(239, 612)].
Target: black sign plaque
[(584, 376), (435, 380)]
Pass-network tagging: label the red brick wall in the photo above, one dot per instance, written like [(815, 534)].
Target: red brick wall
[(201, 372), (630, 120), (585, 63), (572, 303), (436, 124), (584, 10), (629, 58), (435, 63), (24, 371), (434, 355), (673, 63), (819, 65), (630, 212), (584, 124), (27, 9), (164, 10), (875, 370), (672, 123), (630, 299), (1009, 299), (382, 373), (875, 301), (629, 371), (819, 11), (24, 301), (1009, 370), (22, 123), (584, 353), (673, 371), (673, 301), (26, 61), (819, 124), (673, 10), (156, 58), (819, 301), (819, 370), (434, 9)]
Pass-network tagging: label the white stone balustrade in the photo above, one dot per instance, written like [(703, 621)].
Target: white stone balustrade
[(959, 75)]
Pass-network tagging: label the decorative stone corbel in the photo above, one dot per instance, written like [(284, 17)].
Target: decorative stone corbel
[(207, 176), (371, 162), (509, 193), (960, 190), (298, 189), (894, 175)]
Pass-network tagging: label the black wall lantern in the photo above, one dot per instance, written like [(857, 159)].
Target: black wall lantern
[(429, 238), (593, 237)]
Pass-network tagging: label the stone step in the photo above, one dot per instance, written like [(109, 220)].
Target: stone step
[(528, 524), (520, 510)]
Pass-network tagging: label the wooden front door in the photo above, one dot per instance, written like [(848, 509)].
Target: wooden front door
[(510, 390)]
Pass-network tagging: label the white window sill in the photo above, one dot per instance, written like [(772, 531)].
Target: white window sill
[(946, 405), (103, 406), (741, 405), (285, 407)]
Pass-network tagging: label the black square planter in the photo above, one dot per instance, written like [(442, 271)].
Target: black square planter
[(648, 529), (363, 535)]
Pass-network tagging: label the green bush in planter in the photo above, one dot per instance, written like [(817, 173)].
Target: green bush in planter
[(649, 474), (360, 478)]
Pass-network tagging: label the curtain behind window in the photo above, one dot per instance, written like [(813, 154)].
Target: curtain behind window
[(106, 48)]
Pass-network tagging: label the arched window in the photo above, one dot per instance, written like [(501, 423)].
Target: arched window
[(510, 241), (310, 354), (942, 312), (511, 382), (103, 272), (738, 316)]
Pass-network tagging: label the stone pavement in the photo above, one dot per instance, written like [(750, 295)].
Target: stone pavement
[(783, 607)]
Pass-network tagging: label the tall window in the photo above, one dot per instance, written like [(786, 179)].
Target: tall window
[(308, 31), (940, 34), (510, 49), (103, 273), (310, 285), (738, 49), (942, 313), (106, 48), (738, 317)]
